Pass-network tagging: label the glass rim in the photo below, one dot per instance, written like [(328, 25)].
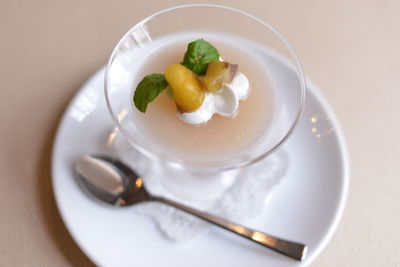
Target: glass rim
[(174, 160)]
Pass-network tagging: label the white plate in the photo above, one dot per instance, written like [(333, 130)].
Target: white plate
[(306, 206)]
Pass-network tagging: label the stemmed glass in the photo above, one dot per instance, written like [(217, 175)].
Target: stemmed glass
[(186, 174)]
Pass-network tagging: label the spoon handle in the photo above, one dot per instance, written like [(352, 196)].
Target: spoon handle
[(292, 249)]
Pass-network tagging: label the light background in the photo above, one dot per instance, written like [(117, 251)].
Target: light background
[(349, 49)]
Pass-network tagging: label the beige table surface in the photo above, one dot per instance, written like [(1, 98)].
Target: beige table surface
[(350, 49)]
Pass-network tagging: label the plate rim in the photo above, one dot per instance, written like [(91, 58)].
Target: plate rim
[(346, 171)]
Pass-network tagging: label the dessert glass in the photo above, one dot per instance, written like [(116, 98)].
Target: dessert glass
[(211, 175)]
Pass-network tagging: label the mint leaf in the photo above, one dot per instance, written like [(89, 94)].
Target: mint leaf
[(198, 54), (148, 89)]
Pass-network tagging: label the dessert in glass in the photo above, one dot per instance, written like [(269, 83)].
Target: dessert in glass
[(199, 90)]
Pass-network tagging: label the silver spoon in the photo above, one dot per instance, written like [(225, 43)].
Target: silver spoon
[(115, 183)]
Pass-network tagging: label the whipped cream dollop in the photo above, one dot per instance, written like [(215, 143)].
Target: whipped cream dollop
[(225, 102)]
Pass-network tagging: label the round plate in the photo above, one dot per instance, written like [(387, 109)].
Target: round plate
[(306, 206)]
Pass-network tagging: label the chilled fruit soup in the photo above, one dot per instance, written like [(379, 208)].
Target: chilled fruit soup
[(171, 121)]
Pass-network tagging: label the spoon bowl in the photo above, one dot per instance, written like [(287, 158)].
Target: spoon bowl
[(111, 181)]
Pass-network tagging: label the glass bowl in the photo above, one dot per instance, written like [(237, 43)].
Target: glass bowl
[(271, 48)]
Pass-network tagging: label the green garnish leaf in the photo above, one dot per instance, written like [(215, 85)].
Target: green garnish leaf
[(148, 89), (198, 54)]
